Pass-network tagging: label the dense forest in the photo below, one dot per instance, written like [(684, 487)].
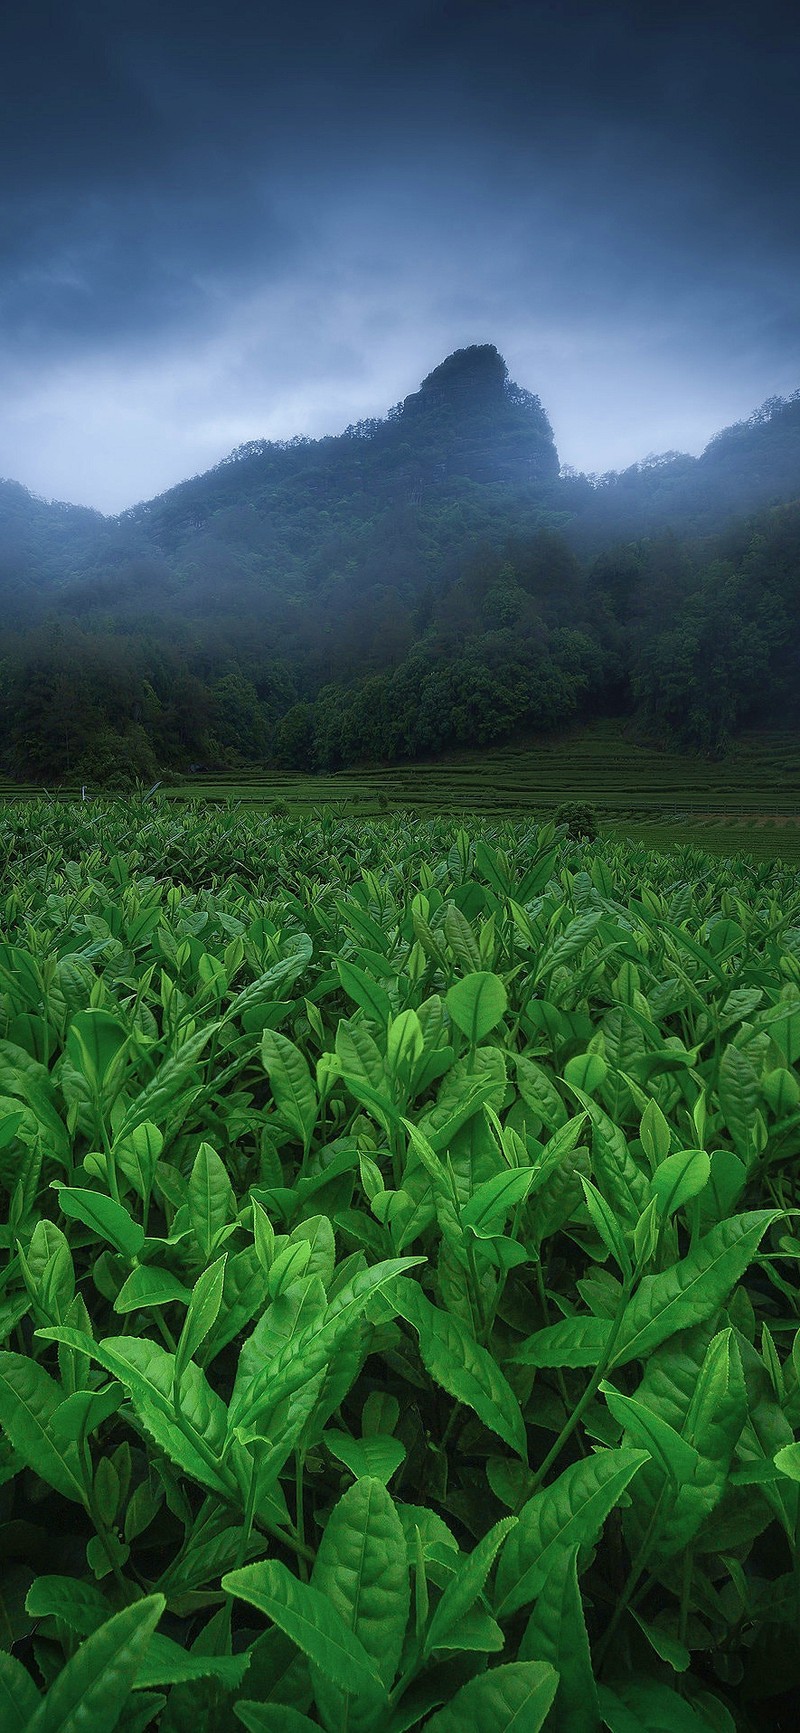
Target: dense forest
[(427, 581)]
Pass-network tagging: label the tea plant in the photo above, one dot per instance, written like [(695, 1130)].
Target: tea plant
[(398, 1293)]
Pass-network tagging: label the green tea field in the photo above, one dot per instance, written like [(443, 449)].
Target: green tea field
[(398, 1277)]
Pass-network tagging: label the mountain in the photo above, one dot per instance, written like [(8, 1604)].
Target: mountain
[(745, 468), (40, 544), (469, 436), (417, 582), (467, 425)]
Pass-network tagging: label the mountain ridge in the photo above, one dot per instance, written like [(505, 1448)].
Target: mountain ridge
[(457, 406), (415, 583)]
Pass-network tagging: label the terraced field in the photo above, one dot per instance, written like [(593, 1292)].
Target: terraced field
[(747, 803)]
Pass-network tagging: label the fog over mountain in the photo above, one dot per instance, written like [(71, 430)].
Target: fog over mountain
[(467, 422), (421, 581)]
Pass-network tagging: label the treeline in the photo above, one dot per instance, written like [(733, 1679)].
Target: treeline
[(695, 639), (495, 688), (78, 707)]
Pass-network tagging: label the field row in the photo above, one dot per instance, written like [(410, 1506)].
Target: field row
[(600, 763)]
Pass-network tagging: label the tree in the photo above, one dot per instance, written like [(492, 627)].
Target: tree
[(294, 738)]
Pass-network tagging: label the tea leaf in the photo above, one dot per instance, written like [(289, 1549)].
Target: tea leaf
[(463, 1368), (110, 1220), (738, 1098), (569, 1513), (467, 1585), (290, 1080), (476, 1004), (572, 1342), (91, 1690), (29, 1398), (202, 1313), (146, 1286), (691, 1290), (375, 1458), (674, 1454), (211, 1200), (19, 1697), (361, 1570), (491, 1202), (556, 1633), (312, 1622), (697, 1387), (512, 1699), (273, 1718), (360, 987), (679, 1178)]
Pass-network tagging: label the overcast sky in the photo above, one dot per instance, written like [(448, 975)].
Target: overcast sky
[(228, 221)]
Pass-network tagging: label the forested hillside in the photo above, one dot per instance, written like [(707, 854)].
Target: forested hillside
[(421, 582)]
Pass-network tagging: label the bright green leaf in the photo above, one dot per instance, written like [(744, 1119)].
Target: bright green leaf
[(476, 1004)]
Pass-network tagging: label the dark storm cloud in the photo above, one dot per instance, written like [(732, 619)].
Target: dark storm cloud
[(220, 221), (130, 198)]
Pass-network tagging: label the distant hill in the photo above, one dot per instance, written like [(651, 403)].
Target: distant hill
[(744, 468), (417, 582)]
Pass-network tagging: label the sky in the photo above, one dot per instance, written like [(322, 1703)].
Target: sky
[(222, 222)]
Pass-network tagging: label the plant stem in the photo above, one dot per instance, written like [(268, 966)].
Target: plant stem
[(455, 1413), (477, 1296), (408, 1677), (580, 1408), (163, 1329), (632, 1578), (560, 1379), (111, 1165), (287, 1538), (101, 1530), (686, 1589), (299, 1514)]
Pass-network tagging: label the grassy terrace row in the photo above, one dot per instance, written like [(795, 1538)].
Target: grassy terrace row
[(749, 802)]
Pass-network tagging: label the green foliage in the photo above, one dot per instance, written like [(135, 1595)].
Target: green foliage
[(398, 1283), (580, 819)]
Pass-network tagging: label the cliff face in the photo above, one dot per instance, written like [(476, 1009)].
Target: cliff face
[(470, 419), (479, 372)]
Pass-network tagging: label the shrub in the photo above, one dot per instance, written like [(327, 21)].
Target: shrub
[(580, 819)]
